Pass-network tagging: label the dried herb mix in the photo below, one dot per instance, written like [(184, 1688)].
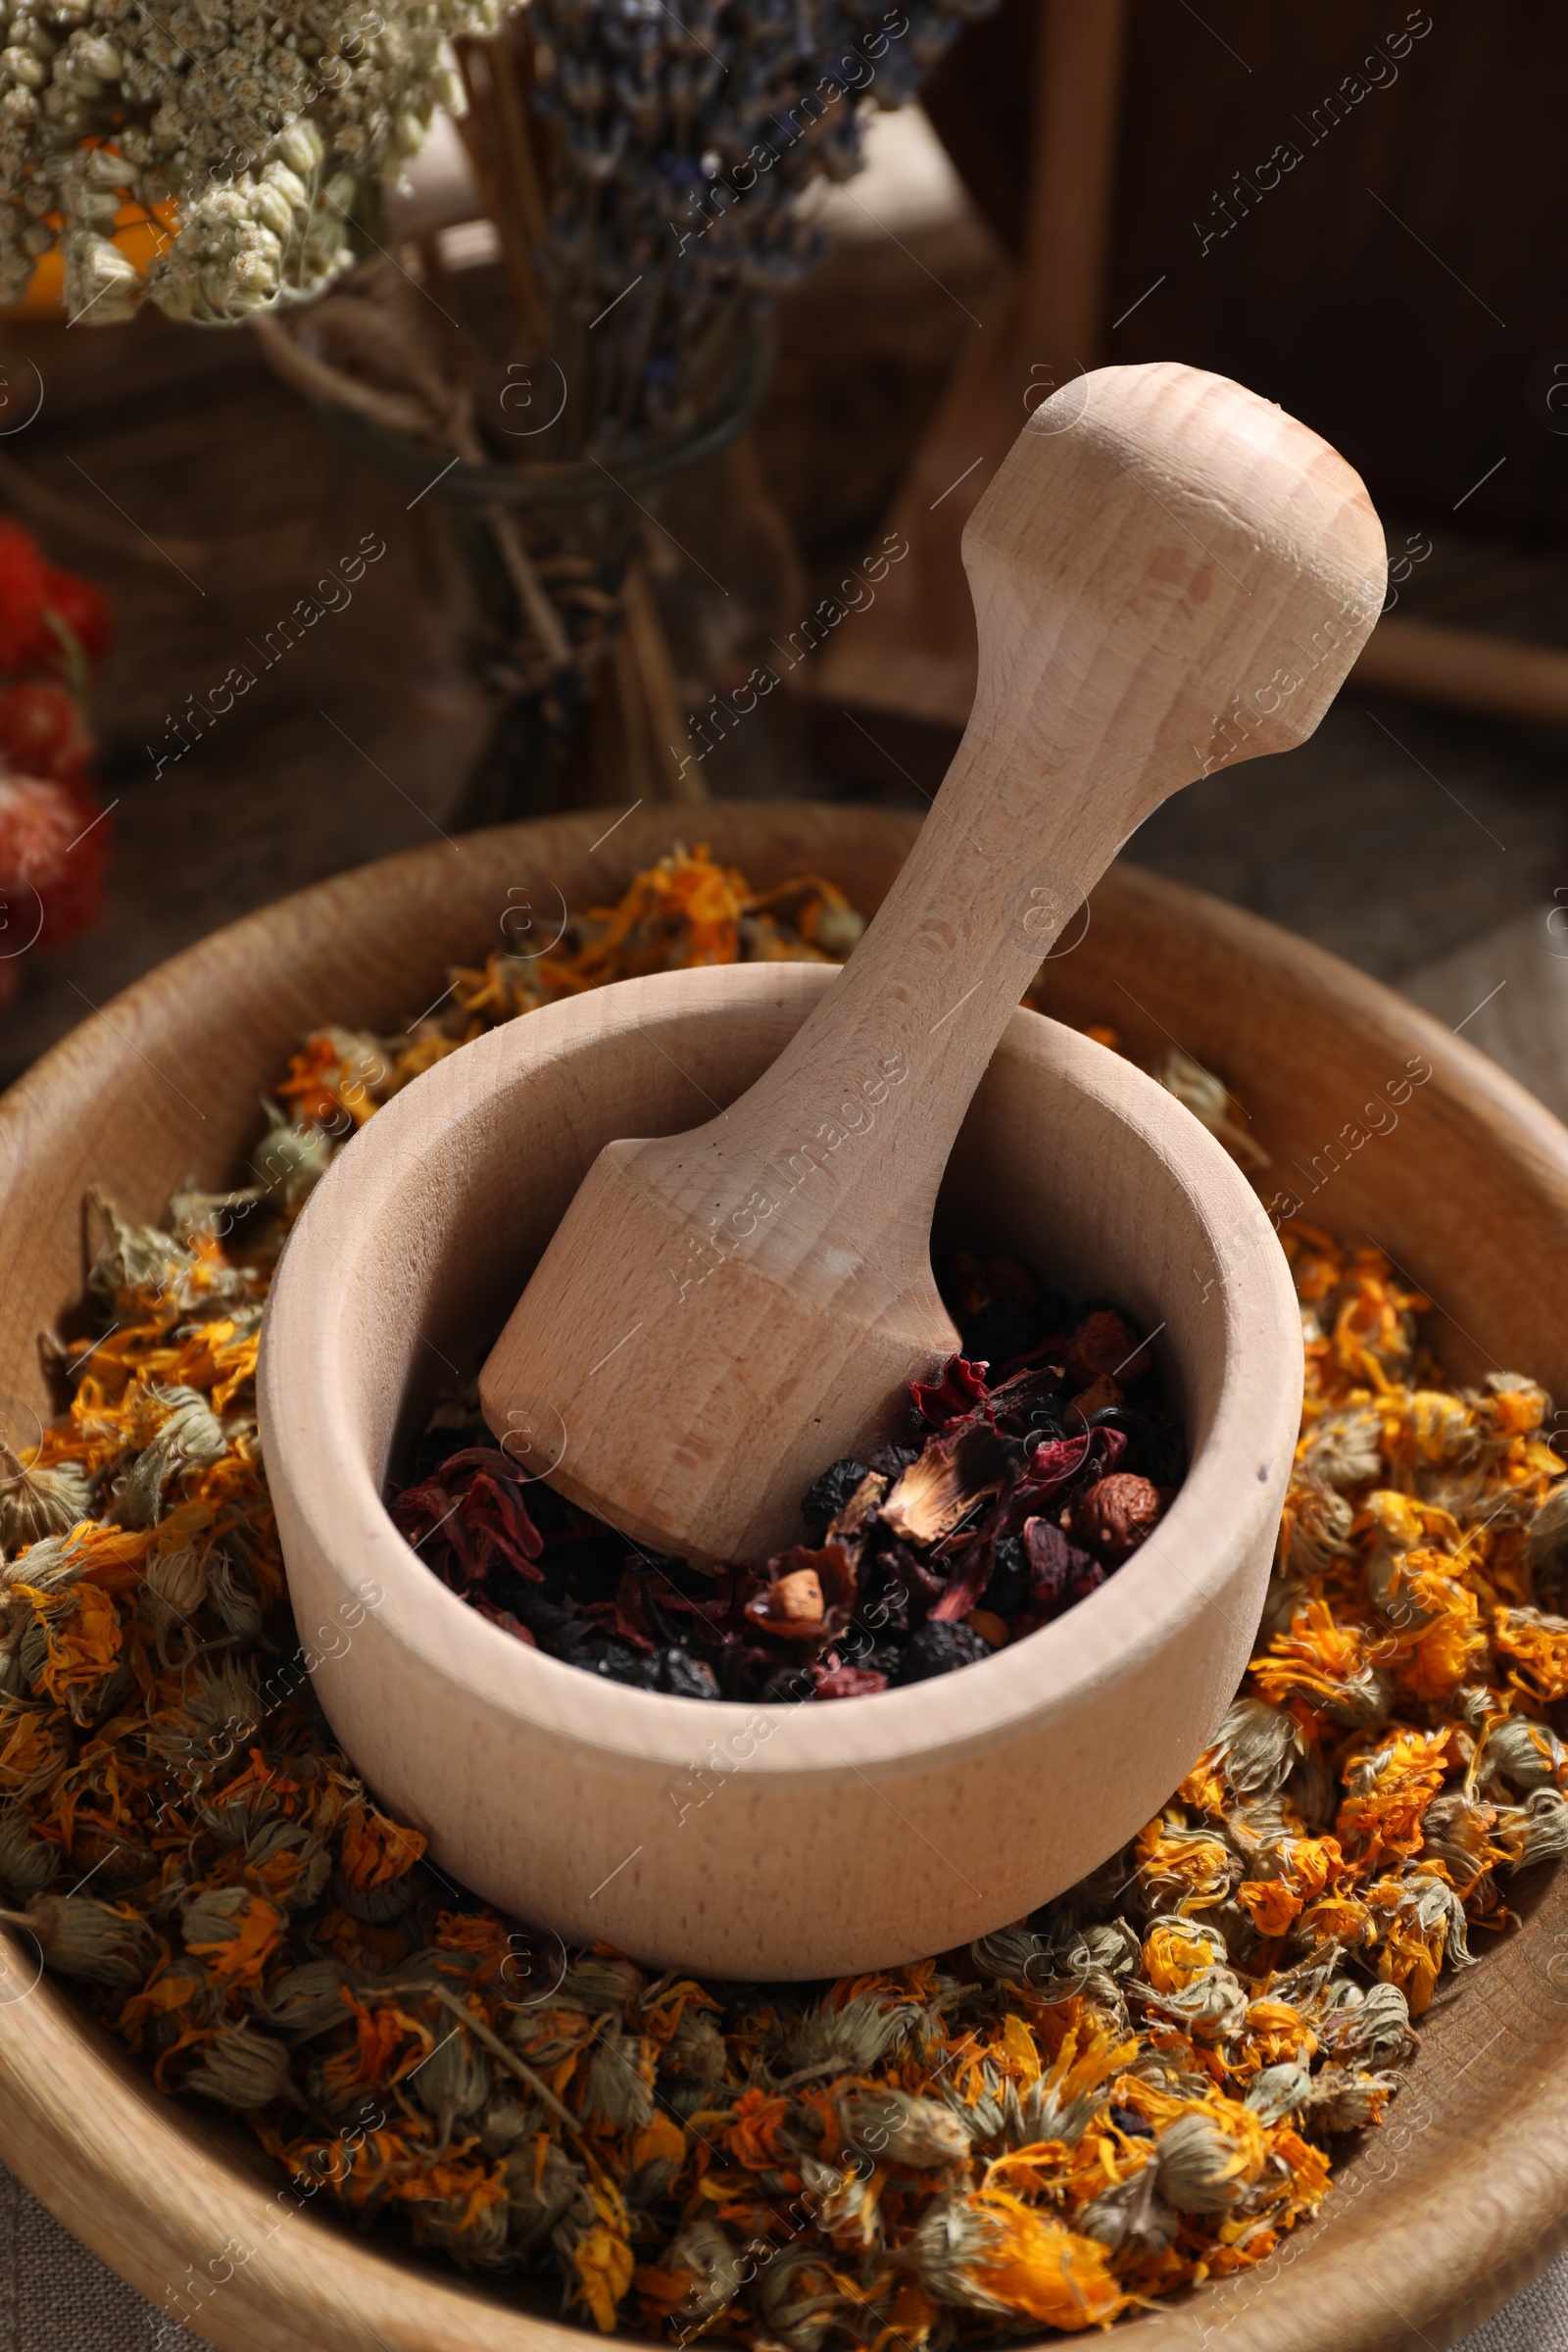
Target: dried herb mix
[(1136, 2088), (1007, 1504)]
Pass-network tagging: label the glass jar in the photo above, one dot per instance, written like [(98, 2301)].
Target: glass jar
[(671, 573)]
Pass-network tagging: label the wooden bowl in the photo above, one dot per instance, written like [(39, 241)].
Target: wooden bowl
[(844, 1837), (1446, 2211)]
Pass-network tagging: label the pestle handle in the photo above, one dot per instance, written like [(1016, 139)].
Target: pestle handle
[(1169, 575)]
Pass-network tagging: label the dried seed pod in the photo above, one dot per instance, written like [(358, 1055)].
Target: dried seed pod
[(243, 2069), (1116, 1514), (80, 1936)]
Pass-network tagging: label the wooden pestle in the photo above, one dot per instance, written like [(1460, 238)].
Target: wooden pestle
[(1169, 575)]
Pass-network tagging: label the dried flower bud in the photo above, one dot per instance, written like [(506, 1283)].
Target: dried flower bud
[(243, 2069), (26, 1863), (99, 278), (601, 1982), (1200, 2168), (1131, 2219), (507, 2119), (174, 1586), (80, 1936), (291, 1159), (233, 1592), (539, 2200), (306, 2000), (454, 2081), (618, 2093), (713, 2264), (302, 148), (695, 2052), (1116, 1514), (1346, 1448), (899, 2128), (37, 1502), (1341, 2101)]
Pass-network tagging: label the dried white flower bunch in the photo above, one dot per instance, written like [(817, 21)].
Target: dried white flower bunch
[(259, 122)]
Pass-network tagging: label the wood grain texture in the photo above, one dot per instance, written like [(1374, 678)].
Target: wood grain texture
[(1169, 575), (1445, 2212)]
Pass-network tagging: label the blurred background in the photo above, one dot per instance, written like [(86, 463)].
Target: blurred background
[(312, 646)]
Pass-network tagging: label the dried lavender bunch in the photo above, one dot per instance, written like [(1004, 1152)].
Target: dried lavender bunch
[(683, 149), (261, 124)]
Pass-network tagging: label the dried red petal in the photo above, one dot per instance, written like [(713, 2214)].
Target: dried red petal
[(961, 1387)]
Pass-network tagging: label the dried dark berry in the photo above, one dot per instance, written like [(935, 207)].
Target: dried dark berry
[(1001, 1330), (827, 1495), (892, 1461), (1057, 1569), (1004, 1595), (939, 1649), (683, 1676), (618, 1663), (1129, 2121)]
